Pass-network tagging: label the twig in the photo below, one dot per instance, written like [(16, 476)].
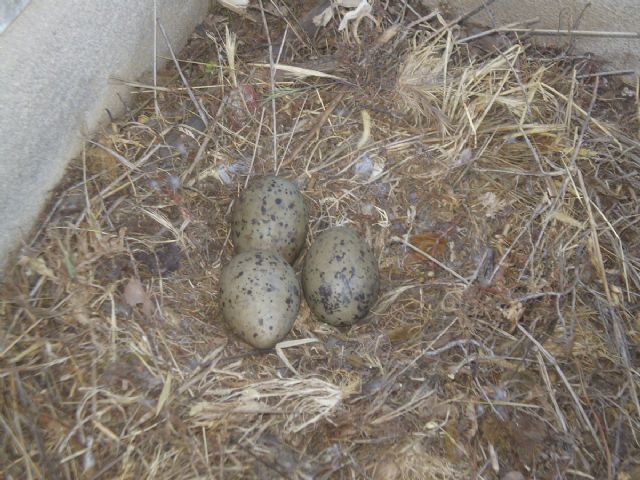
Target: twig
[(539, 209), (155, 59), (472, 12), (108, 466), (551, 391), (561, 192), (606, 74), (201, 112), (63, 196), (619, 331), (271, 465), (551, 359), (520, 173), (293, 131), (423, 19), (463, 17), (116, 155), (272, 76), (601, 428), (200, 155), (152, 88), (255, 149), (499, 29), (535, 296), (457, 343), (108, 190), (595, 239), (587, 201), (575, 33), (20, 447), (433, 259), (319, 123)]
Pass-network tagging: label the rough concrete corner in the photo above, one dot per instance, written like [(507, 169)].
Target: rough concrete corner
[(57, 59)]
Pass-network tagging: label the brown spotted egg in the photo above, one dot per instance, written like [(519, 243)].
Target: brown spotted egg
[(259, 297), (340, 277), (270, 214)]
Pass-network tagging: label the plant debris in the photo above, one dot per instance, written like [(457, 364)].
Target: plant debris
[(498, 185)]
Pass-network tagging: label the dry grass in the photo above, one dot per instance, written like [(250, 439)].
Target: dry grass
[(498, 187)]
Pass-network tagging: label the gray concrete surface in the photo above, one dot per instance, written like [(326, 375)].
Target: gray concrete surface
[(595, 15), (56, 61)]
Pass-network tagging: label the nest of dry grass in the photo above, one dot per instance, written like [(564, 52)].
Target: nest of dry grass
[(498, 186)]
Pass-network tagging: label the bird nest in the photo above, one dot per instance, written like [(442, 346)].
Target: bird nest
[(497, 184)]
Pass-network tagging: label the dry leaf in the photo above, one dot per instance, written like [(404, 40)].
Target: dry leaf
[(465, 157), (388, 34), (368, 167), (88, 459), (513, 312), (242, 101), (513, 475), (403, 333), (366, 129), (387, 469), (492, 204), (36, 265), (135, 294), (164, 395), (361, 11), (291, 343), (356, 360), (237, 6), (298, 72), (389, 299), (432, 243), (568, 219), (323, 17), (471, 418)]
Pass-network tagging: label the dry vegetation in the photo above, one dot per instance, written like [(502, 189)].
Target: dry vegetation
[(497, 184)]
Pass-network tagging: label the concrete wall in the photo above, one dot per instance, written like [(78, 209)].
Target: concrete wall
[(598, 15), (56, 59)]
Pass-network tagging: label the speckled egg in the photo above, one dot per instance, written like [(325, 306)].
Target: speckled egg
[(340, 277), (270, 214), (259, 297)]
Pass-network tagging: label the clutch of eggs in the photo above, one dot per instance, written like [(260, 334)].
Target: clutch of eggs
[(260, 294)]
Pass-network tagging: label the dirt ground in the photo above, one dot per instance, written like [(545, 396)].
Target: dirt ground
[(498, 186)]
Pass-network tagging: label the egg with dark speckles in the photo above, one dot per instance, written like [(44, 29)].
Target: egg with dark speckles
[(270, 214), (340, 277), (259, 297)]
